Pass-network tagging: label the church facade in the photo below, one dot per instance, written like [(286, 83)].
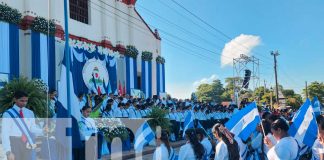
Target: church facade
[(112, 48)]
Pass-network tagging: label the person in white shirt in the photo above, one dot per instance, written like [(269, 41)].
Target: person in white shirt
[(88, 130), (138, 111), (204, 141), (108, 112), (193, 149), (118, 111), (164, 151), (131, 109), (286, 147), (17, 143), (125, 112), (257, 142), (318, 146), (227, 147)]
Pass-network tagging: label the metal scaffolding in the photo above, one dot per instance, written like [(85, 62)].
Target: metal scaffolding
[(241, 64)]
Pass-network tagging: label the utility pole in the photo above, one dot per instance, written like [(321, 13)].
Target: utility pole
[(306, 90), (275, 54)]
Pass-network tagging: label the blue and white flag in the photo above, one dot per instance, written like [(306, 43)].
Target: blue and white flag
[(62, 111), (316, 106), (244, 122), (188, 122), (304, 127), (143, 136)]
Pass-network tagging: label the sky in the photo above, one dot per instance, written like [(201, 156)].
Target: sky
[(198, 52)]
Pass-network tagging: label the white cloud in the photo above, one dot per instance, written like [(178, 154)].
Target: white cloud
[(242, 44), (205, 80)]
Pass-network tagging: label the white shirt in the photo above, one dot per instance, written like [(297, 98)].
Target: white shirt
[(286, 149), (9, 127), (221, 151), (207, 145), (87, 127), (138, 113), (317, 149), (161, 153), (118, 113), (124, 113), (109, 114), (115, 105), (172, 116), (186, 152), (132, 112), (143, 113)]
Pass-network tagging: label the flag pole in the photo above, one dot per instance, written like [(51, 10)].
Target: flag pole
[(67, 61), (261, 122)]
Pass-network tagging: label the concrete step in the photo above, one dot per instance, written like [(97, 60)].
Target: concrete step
[(147, 150)]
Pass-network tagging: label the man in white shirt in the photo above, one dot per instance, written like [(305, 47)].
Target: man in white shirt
[(18, 139)]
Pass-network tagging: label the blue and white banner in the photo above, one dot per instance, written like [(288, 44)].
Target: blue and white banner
[(160, 76), (9, 44), (131, 74), (43, 58), (147, 78), (316, 106), (144, 135), (304, 127), (244, 122)]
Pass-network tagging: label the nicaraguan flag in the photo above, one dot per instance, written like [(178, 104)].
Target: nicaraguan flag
[(244, 122), (143, 136), (188, 122), (62, 112), (304, 127), (316, 106)]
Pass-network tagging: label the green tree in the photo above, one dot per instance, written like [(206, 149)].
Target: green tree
[(288, 92), (315, 89), (210, 92)]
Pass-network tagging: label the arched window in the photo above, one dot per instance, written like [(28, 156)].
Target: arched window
[(79, 10)]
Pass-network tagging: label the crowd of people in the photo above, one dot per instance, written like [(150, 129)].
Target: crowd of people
[(207, 139)]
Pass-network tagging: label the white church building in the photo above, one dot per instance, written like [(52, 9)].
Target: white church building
[(112, 47)]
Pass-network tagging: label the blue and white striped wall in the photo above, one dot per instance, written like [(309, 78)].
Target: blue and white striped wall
[(43, 58), (131, 74), (9, 54), (147, 78), (160, 78)]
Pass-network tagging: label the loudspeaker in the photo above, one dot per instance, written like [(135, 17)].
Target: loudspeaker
[(246, 80)]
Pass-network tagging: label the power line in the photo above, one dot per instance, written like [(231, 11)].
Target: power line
[(163, 31), (151, 26), (141, 29), (203, 21), (182, 29)]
